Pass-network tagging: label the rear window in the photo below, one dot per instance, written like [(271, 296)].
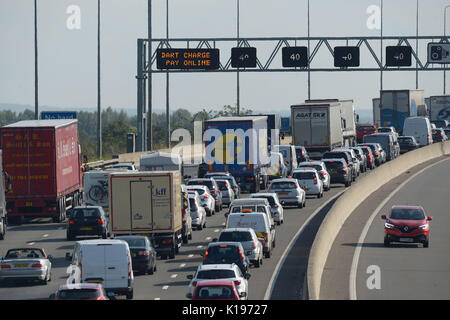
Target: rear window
[(404, 140), (224, 251), (317, 167), (333, 165), (283, 185), (85, 214), (270, 199), (223, 185), (207, 183), (76, 294), (215, 292), (384, 130), (365, 128), (215, 274), (236, 236), (407, 214), (134, 243), (200, 191), (192, 204), (304, 175), (335, 155)]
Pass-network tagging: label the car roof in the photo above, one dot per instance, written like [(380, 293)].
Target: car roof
[(311, 162), (227, 243), (237, 229), (335, 159), (284, 180), (218, 282), (216, 266), (77, 286), (250, 201), (101, 241), (265, 194), (304, 169)]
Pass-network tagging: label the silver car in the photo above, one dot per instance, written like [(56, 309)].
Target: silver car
[(227, 192), (275, 205), (249, 240), (208, 201), (26, 264), (289, 192), (321, 169), (198, 213), (309, 180)]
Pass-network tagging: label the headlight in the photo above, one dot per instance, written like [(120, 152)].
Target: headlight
[(424, 226), (388, 225)]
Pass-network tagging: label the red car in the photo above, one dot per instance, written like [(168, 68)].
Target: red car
[(369, 157), (80, 291), (216, 290), (407, 224), (364, 129)]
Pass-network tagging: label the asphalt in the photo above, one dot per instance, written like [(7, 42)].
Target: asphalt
[(406, 271)]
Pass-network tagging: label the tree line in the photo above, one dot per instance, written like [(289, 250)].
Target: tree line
[(117, 124)]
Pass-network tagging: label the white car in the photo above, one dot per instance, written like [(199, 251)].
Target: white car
[(309, 180), (125, 165), (219, 271), (198, 213), (321, 169), (275, 205), (208, 201), (289, 192)]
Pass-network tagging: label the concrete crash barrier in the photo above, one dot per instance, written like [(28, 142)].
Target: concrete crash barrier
[(352, 198)]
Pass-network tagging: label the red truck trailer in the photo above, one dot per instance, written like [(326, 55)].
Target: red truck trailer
[(42, 158)]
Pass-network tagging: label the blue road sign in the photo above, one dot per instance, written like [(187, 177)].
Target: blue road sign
[(55, 115)]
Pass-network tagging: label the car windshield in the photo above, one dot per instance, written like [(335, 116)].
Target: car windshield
[(215, 274), (283, 185), (404, 140), (407, 214), (76, 294), (236, 236), (304, 175), (24, 254), (85, 214), (215, 292), (134, 243), (200, 191)]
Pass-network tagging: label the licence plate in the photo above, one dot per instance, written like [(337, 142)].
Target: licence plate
[(133, 255), (86, 228), (333, 172), (284, 193), (305, 188), (21, 265), (95, 281), (406, 239), (29, 204)]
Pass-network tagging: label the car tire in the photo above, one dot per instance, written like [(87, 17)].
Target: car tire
[(172, 253), (278, 223), (348, 184), (104, 235), (150, 270), (257, 264), (185, 239), (300, 205), (268, 254), (129, 295), (190, 236), (387, 243), (426, 244)]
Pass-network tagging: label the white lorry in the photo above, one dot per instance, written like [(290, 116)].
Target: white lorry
[(147, 203)]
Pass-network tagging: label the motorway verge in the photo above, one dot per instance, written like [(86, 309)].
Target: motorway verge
[(352, 198)]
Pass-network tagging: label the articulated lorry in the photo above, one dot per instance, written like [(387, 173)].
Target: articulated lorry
[(238, 145), (149, 204), (440, 108), (43, 160), (397, 105), (317, 126)]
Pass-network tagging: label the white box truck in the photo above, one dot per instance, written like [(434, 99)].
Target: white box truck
[(147, 203), (317, 127)]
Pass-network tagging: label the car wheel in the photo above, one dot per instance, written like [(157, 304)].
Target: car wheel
[(387, 243), (426, 244), (185, 239), (273, 244), (300, 205), (268, 254), (130, 295), (172, 254), (278, 223), (150, 270), (348, 183), (257, 264), (104, 235), (190, 236), (200, 226)]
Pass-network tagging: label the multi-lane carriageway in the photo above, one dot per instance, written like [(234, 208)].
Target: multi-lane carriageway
[(283, 275)]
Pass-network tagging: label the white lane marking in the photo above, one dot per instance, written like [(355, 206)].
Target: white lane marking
[(217, 230), (199, 247), (165, 287), (182, 265), (208, 238), (174, 276), (357, 253), (291, 244), (30, 243), (157, 298), (45, 235), (190, 256)]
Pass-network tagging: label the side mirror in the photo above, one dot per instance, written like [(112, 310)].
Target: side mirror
[(383, 217), (430, 218), (50, 257), (247, 276), (190, 276), (52, 296), (68, 256), (189, 295)]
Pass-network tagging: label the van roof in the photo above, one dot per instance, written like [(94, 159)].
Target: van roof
[(251, 201), (95, 242)]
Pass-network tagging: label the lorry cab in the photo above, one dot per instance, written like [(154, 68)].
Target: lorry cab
[(107, 262)]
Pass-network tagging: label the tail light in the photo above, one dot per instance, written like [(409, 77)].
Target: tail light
[(205, 196), (194, 283), (215, 191), (206, 256), (144, 253), (36, 265), (81, 270), (241, 254), (6, 266), (237, 282), (166, 241), (343, 169), (129, 268), (315, 180), (71, 221), (376, 153), (183, 212), (101, 221)]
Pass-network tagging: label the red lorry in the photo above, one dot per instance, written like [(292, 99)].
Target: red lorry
[(42, 158)]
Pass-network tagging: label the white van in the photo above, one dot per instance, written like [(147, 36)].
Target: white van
[(103, 261), (419, 128), (259, 223), (246, 205), (289, 155)]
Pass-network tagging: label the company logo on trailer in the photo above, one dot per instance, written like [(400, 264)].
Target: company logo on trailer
[(444, 114), (66, 149)]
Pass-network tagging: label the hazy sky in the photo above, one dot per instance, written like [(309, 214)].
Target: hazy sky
[(67, 58)]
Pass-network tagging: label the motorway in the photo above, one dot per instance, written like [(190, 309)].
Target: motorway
[(406, 271), (170, 282)]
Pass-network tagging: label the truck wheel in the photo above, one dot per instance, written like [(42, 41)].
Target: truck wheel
[(185, 239), (130, 295), (172, 254), (190, 236)]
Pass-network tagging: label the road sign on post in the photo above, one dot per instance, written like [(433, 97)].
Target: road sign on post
[(398, 56), (56, 115), (346, 57), (243, 57), (295, 57), (439, 53)]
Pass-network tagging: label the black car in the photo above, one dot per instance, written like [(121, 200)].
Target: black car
[(339, 171), (87, 221), (407, 143), (227, 253), (439, 135), (347, 156), (143, 255)]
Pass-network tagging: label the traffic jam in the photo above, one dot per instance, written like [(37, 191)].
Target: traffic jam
[(127, 219)]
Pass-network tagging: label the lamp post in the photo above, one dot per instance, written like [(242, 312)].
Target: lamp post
[(381, 32), (237, 74), (167, 82), (445, 35), (309, 72), (149, 58), (99, 110), (417, 44), (36, 104)]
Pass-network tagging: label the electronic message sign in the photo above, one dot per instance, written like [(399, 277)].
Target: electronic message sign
[(204, 59)]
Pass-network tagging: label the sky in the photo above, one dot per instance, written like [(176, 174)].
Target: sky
[(68, 57)]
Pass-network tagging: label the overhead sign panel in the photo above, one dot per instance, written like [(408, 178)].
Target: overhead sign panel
[(439, 52), (203, 59), (295, 57), (243, 57), (398, 56), (57, 115), (346, 57)]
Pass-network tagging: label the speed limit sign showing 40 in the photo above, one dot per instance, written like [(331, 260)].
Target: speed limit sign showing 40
[(243, 57), (295, 57)]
